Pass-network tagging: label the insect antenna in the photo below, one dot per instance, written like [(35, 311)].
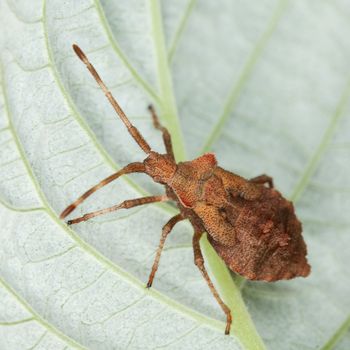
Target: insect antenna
[(132, 129)]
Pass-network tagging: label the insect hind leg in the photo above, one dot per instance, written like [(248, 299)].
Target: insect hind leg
[(166, 135), (199, 262)]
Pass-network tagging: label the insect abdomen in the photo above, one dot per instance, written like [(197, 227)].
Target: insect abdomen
[(269, 245)]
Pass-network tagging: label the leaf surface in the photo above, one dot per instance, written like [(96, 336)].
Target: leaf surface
[(265, 86)]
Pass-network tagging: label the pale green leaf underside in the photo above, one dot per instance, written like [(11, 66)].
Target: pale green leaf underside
[(265, 85)]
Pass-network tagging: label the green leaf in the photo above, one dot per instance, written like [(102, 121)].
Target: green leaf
[(264, 85)]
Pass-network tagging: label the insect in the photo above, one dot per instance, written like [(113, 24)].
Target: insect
[(250, 225)]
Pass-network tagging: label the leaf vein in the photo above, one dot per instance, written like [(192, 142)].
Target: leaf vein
[(320, 150), (338, 335), (13, 323), (247, 70), (183, 23), (120, 53), (74, 111), (39, 319)]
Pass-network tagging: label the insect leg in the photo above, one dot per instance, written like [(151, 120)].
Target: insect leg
[(130, 168), (263, 179), (130, 203), (165, 231), (166, 134), (199, 262)]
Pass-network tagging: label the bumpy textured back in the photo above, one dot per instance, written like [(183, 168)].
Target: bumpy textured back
[(268, 244)]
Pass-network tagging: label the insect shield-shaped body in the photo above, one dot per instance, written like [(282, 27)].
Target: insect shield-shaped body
[(251, 226)]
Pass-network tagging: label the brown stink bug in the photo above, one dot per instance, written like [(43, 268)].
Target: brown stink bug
[(250, 225)]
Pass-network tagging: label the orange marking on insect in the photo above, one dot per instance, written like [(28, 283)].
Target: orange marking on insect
[(207, 160)]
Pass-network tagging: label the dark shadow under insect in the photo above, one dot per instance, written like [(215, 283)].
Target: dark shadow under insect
[(251, 226)]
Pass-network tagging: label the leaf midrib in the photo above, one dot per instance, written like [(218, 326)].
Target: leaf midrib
[(168, 105)]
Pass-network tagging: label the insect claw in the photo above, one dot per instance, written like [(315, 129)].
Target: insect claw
[(149, 285), (150, 107), (69, 222), (228, 323)]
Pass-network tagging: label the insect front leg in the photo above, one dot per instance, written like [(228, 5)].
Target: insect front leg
[(130, 168), (165, 231), (165, 132), (199, 262), (263, 179), (130, 203)]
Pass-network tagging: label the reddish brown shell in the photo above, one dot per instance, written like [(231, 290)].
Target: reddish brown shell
[(268, 244), (252, 227)]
